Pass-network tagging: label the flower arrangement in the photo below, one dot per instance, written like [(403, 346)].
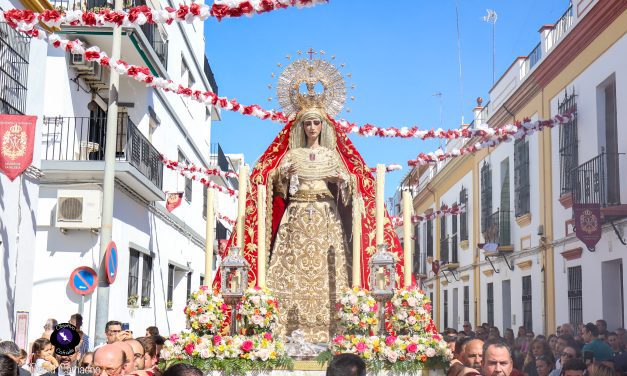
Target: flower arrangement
[(131, 301), (233, 355), (357, 311), (258, 311), (205, 311), (410, 311), (403, 353)]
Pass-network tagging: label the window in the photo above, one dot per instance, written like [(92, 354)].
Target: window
[(418, 262), (466, 303), (189, 284), (503, 223), (429, 240), (568, 148), (575, 303), (454, 258), (490, 297), (463, 217), (188, 182), (146, 280), (486, 195), (612, 170), (14, 53), (443, 240), (521, 177), (445, 309), (170, 283), (133, 275), (202, 280), (186, 74), (526, 302)]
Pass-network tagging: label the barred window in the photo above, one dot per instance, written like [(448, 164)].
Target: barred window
[(189, 284), (486, 195), (463, 217), (490, 297), (133, 273), (568, 142), (188, 182), (443, 240), (14, 53), (429, 231), (466, 303), (445, 309), (171, 270), (526, 302), (575, 302), (202, 280), (521, 177), (418, 262), (146, 280)]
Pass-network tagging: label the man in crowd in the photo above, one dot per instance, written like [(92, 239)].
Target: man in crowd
[(573, 367), (497, 360), (468, 330), (567, 328), (150, 354), (109, 360), (182, 369), (602, 351), (11, 350), (472, 354), (563, 341), (343, 364), (129, 365), (138, 353), (602, 326), (68, 366)]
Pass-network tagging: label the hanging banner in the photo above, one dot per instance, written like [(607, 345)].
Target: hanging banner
[(17, 140), (173, 200), (588, 223)]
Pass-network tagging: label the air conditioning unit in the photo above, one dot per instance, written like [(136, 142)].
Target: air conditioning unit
[(98, 78), (79, 209), (78, 62)]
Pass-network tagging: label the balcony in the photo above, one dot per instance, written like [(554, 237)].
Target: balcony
[(74, 150), (597, 181), (210, 77), (218, 159), (131, 50), (498, 230)]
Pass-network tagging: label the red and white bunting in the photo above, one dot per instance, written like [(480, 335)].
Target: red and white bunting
[(443, 211), (388, 168), (180, 166), (522, 130), (226, 219), (26, 20), (208, 183)]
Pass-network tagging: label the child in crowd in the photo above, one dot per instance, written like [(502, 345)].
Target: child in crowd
[(42, 357)]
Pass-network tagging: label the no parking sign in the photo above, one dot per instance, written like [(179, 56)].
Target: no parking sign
[(83, 280), (111, 261)]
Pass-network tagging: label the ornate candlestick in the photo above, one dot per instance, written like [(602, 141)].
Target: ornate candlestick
[(382, 280), (234, 272)]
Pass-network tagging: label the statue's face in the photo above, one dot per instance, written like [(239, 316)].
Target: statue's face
[(312, 128)]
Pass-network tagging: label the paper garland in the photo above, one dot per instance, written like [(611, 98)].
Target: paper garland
[(443, 211)]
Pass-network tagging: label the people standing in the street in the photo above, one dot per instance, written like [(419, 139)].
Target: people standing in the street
[(497, 360), (8, 366), (152, 331), (49, 328), (538, 347), (109, 360), (472, 354), (343, 364), (68, 366), (615, 345), (12, 350), (544, 365), (129, 364), (85, 345), (601, 350), (468, 330), (568, 353), (150, 355)]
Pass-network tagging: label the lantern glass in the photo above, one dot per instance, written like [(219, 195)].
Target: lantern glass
[(234, 271), (382, 276)]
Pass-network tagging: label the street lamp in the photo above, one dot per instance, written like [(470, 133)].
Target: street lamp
[(234, 273), (382, 279)]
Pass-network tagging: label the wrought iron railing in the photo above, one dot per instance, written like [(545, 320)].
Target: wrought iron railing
[(210, 76), (14, 50), (498, 228), (535, 56), (156, 41), (444, 249), (594, 182), (562, 26), (84, 139)]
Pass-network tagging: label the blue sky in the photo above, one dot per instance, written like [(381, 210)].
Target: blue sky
[(399, 53)]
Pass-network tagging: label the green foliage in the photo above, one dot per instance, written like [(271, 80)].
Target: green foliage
[(236, 367)]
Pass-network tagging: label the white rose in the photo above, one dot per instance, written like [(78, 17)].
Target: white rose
[(412, 302), (204, 353), (355, 320), (411, 320), (392, 356), (255, 300), (365, 308), (203, 319), (201, 299), (430, 352), (165, 354), (353, 299), (257, 320)]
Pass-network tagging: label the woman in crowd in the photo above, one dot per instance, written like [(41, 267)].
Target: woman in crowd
[(544, 365), (537, 348)]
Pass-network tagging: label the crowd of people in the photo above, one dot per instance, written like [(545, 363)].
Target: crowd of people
[(591, 350)]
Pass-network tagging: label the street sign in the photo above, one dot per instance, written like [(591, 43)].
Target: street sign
[(111, 261), (83, 280)]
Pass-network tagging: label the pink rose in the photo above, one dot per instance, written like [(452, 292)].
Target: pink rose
[(389, 340), (174, 338), (189, 349), (339, 339), (267, 336), (216, 340), (412, 347), (247, 346), (361, 347)]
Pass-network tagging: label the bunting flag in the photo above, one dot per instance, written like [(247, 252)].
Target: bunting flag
[(17, 140)]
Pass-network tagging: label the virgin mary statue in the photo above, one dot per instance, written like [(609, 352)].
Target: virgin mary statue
[(317, 184)]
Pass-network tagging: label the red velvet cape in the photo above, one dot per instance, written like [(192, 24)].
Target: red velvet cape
[(356, 166)]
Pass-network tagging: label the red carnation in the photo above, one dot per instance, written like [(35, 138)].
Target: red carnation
[(189, 349)]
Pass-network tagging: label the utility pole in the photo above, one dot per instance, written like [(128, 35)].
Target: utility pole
[(108, 186), (491, 18)]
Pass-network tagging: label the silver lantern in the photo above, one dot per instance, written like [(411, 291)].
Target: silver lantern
[(382, 280), (234, 282)]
